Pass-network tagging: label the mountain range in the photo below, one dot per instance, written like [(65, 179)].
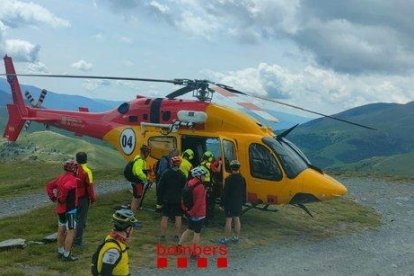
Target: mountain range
[(329, 144)]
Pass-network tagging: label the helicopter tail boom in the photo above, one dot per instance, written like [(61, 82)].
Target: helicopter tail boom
[(17, 110)]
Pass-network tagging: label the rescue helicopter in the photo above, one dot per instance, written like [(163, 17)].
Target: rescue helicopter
[(276, 171)]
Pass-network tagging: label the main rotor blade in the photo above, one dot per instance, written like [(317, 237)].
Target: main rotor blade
[(232, 90), (313, 112), (181, 91), (178, 81)]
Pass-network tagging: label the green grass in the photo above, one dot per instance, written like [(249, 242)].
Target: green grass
[(259, 228), (18, 178)]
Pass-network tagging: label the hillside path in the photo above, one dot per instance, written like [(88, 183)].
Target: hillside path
[(25, 203)]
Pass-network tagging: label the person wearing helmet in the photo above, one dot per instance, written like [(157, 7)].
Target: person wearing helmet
[(62, 190), (85, 193), (113, 256), (234, 196), (210, 166), (197, 212), (186, 166), (169, 197), (139, 169)]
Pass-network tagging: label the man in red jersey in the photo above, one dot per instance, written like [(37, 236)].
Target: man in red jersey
[(63, 191)]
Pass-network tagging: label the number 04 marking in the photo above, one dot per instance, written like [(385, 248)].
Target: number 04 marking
[(127, 141)]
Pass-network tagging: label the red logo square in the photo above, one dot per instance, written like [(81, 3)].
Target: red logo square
[(222, 262), (182, 262), (162, 262), (202, 262)]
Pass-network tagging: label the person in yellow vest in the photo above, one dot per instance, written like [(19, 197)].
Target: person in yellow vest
[(139, 169), (186, 165), (113, 257), (207, 163)]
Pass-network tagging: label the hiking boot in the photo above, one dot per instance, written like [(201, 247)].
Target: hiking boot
[(234, 239), (69, 258), (162, 238), (176, 238), (223, 241)]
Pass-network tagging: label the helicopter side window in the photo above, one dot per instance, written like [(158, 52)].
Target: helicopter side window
[(291, 161), (229, 154), (161, 145), (263, 164)]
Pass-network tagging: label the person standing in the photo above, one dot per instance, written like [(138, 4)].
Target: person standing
[(139, 170), (197, 212), (169, 196), (85, 193), (234, 196), (62, 190), (207, 164), (186, 166), (113, 256)]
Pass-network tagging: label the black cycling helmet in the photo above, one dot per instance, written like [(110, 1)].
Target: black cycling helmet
[(124, 218), (234, 164), (145, 149), (81, 157)]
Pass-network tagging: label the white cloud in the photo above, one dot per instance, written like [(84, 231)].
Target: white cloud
[(17, 13), (36, 67), (160, 7), (82, 65), (21, 50), (126, 40), (316, 88), (92, 85)]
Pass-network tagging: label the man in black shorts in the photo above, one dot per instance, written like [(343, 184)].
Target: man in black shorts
[(169, 196), (234, 196)]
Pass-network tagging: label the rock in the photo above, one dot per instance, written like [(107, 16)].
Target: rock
[(50, 238), (13, 243), (35, 242)]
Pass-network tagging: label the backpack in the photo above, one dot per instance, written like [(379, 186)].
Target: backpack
[(129, 174), (187, 196), (161, 166), (95, 256)]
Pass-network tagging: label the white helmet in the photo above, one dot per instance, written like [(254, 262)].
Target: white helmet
[(198, 172)]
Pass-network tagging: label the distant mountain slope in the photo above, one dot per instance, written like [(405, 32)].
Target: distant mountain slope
[(62, 101), (332, 144), (51, 146)]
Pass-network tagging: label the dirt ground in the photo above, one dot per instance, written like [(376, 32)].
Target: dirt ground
[(388, 250)]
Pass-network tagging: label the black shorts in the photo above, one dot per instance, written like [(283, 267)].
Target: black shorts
[(195, 225), (171, 210), (68, 220), (231, 213)]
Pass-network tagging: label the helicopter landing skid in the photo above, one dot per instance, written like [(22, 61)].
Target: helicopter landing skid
[(257, 207)]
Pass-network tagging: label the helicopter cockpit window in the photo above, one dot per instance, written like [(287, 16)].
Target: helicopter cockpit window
[(229, 154), (161, 145), (123, 108), (263, 164), (291, 161)]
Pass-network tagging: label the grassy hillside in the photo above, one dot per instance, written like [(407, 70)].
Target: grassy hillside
[(332, 144), (37, 157)]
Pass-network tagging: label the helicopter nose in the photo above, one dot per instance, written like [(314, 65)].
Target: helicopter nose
[(321, 185)]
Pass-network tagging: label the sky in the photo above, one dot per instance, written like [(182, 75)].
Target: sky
[(323, 55)]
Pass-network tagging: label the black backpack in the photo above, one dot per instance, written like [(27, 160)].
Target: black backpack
[(187, 196), (128, 173), (95, 256), (160, 171)]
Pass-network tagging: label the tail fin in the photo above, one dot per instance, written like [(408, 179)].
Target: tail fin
[(17, 110)]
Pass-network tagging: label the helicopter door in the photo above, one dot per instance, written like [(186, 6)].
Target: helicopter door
[(265, 170), (200, 144)]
